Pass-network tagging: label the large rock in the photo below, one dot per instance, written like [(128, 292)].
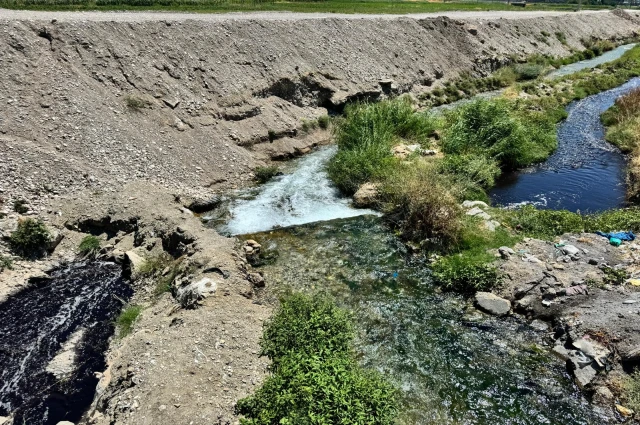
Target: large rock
[(133, 263), (492, 304), (189, 295), (366, 195), (474, 204), (64, 363), (477, 212)]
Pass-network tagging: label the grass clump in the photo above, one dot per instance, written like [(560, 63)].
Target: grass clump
[(6, 263), (136, 103), (324, 121), (89, 246), (20, 206), (631, 391), (264, 174), (315, 377), (503, 130), (127, 319), (31, 239)]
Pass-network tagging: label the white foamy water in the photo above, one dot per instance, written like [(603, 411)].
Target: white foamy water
[(304, 196)]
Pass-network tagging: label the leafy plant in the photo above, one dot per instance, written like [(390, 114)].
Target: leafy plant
[(31, 239), (135, 102), (631, 391), (323, 121), (6, 263), (315, 378), (127, 319), (89, 246), (264, 174)]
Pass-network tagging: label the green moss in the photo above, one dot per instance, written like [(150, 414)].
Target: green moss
[(315, 377)]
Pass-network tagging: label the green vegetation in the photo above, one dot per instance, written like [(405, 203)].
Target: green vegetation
[(31, 239), (315, 378), (127, 319), (264, 174), (5, 263), (89, 246), (330, 6), (631, 391), (136, 103), (20, 206), (164, 269), (324, 121)]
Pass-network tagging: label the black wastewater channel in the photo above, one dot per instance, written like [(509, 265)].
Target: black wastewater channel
[(78, 298), (585, 173)]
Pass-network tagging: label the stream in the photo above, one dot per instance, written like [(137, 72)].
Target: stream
[(78, 302)]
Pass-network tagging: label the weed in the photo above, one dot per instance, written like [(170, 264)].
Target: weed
[(308, 126), (562, 38), (20, 206), (614, 276), (31, 239), (264, 174), (527, 71), (127, 319), (323, 122), (272, 135), (466, 273), (545, 34), (136, 103), (89, 246), (6, 263), (315, 377), (155, 265), (631, 391)]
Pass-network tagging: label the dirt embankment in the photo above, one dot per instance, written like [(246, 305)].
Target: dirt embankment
[(111, 119)]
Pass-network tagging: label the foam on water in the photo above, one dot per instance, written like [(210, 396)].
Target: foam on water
[(304, 196)]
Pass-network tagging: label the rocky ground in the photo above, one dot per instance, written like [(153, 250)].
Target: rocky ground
[(112, 124)]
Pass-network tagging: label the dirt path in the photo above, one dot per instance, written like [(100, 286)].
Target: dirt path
[(267, 16)]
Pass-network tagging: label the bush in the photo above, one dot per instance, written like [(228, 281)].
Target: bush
[(127, 318), (264, 174), (31, 239), (89, 246), (527, 71), (478, 169), (323, 122), (20, 206), (466, 272), (502, 130), (315, 378), (136, 103)]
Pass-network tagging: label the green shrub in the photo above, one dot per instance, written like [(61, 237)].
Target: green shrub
[(31, 238), (264, 174), (323, 122), (20, 206), (6, 263), (127, 319), (527, 71), (631, 391), (315, 378), (562, 38), (502, 130), (136, 103), (478, 169), (466, 272), (89, 246)]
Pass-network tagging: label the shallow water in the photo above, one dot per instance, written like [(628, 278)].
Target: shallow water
[(586, 173), (453, 364), (609, 56), (36, 322), (304, 195)]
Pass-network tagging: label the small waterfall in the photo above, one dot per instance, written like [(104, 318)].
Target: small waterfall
[(304, 196)]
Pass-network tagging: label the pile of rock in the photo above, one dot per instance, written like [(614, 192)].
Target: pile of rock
[(477, 209)]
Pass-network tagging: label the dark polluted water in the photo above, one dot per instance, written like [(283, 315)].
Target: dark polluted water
[(79, 299), (453, 365), (585, 174)]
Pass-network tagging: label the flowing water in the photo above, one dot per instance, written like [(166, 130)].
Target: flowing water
[(586, 173), (453, 364), (609, 56), (36, 323)]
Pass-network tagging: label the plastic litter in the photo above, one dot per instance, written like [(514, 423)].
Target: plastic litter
[(634, 282), (622, 236), (615, 241)]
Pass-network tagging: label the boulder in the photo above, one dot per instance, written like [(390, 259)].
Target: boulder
[(477, 212), (492, 304), (189, 295), (473, 30), (257, 280), (204, 204), (570, 250), (366, 195), (133, 263), (602, 395), (473, 204), (540, 326)]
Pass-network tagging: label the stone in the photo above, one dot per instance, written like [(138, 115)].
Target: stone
[(170, 102), (64, 363), (492, 303), (65, 423), (189, 295), (473, 30), (631, 356), (570, 250), (505, 252), (133, 263), (624, 411), (56, 238), (253, 244), (583, 370), (477, 212), (602, 395), (473, 204), (204, 204), (257, 280), (593, 261), (629, 301), (540, 325), (526, 303), (366, 195), (577, 290), (491, 225), (4, 420)]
